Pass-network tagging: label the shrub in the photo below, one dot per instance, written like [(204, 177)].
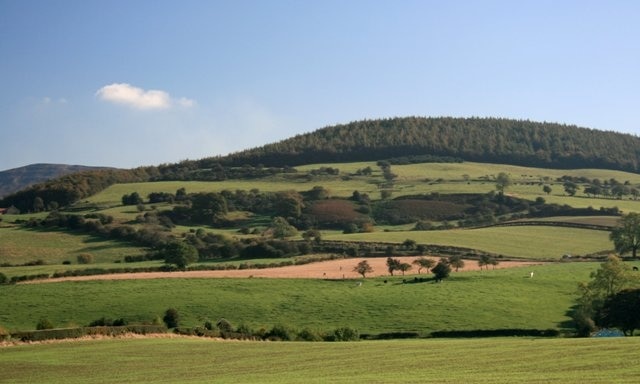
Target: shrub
[(224, 325), (309, 335), (171, 318), (4, 334), (279, 333), (345, 334), (85, 258), (44, 323), (3, 278)]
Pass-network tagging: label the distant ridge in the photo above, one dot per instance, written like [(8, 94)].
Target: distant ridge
[(16, 179)]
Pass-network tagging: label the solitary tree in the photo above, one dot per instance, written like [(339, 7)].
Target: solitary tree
[(546, 189), (171, 318), (425, 263), (441, 270), (503, 181), (626, 236), (363, 268)]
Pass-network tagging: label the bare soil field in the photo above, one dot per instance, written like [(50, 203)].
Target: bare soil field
[(333, 269)]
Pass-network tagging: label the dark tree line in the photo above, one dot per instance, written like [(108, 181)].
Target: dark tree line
[(518, 142)]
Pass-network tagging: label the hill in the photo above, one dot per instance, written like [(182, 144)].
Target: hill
[(16, 179), (397, 141), (515, 142)]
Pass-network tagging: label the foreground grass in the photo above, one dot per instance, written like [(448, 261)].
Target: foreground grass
[(470, 361), (493, 299)]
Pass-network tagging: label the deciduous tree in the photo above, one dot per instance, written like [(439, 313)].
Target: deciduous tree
[(425, 263), (363, 268), (441, 270), (621, 310), (626, 236), (179, 253), (393, 265)]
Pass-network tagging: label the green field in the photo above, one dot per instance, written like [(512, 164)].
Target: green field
[(494, 299), (19, 245), (529, 242), (512, 360)]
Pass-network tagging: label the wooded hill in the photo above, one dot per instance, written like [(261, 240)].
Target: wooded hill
[(411, 139), (13, 180), (516, 142)]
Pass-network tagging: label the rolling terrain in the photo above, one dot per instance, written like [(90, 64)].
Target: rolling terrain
[(253, 211)]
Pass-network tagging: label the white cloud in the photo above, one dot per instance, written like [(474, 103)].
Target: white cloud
[(126, 94)]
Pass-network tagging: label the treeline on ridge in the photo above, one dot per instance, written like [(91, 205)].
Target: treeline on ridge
[(517, 142)]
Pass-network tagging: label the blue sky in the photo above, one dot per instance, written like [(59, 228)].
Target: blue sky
[(132, 83)]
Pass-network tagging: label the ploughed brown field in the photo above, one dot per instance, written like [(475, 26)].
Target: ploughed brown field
[(333, 269)]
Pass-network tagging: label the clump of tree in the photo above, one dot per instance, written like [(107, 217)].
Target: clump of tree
[(598, 296), (487, 260), (178, 253)]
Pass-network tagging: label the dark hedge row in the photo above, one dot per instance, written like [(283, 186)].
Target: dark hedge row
[(75, 333)]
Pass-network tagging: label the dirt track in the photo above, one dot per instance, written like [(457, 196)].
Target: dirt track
[(333, 269)]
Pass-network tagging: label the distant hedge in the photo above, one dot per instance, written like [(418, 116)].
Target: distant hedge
[(497, 333)]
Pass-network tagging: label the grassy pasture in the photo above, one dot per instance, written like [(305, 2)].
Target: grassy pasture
[(530, 242), (493, 299), (512, 360), (20, 245)]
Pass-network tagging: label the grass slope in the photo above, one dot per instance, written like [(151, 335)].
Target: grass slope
[(530, 242), (473, 361), (19, 245), (492, 299)]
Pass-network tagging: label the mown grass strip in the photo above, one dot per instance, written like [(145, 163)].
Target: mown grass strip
[(499, 360)]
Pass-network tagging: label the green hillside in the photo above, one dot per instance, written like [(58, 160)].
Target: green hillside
[(398, 141)]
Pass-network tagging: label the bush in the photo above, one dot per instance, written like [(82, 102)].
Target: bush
[(4, 334), (279, 333), (85, 258), (3, 278), (308, 335), (44, 323), (345, 334), (171, 318), (224, 325)]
